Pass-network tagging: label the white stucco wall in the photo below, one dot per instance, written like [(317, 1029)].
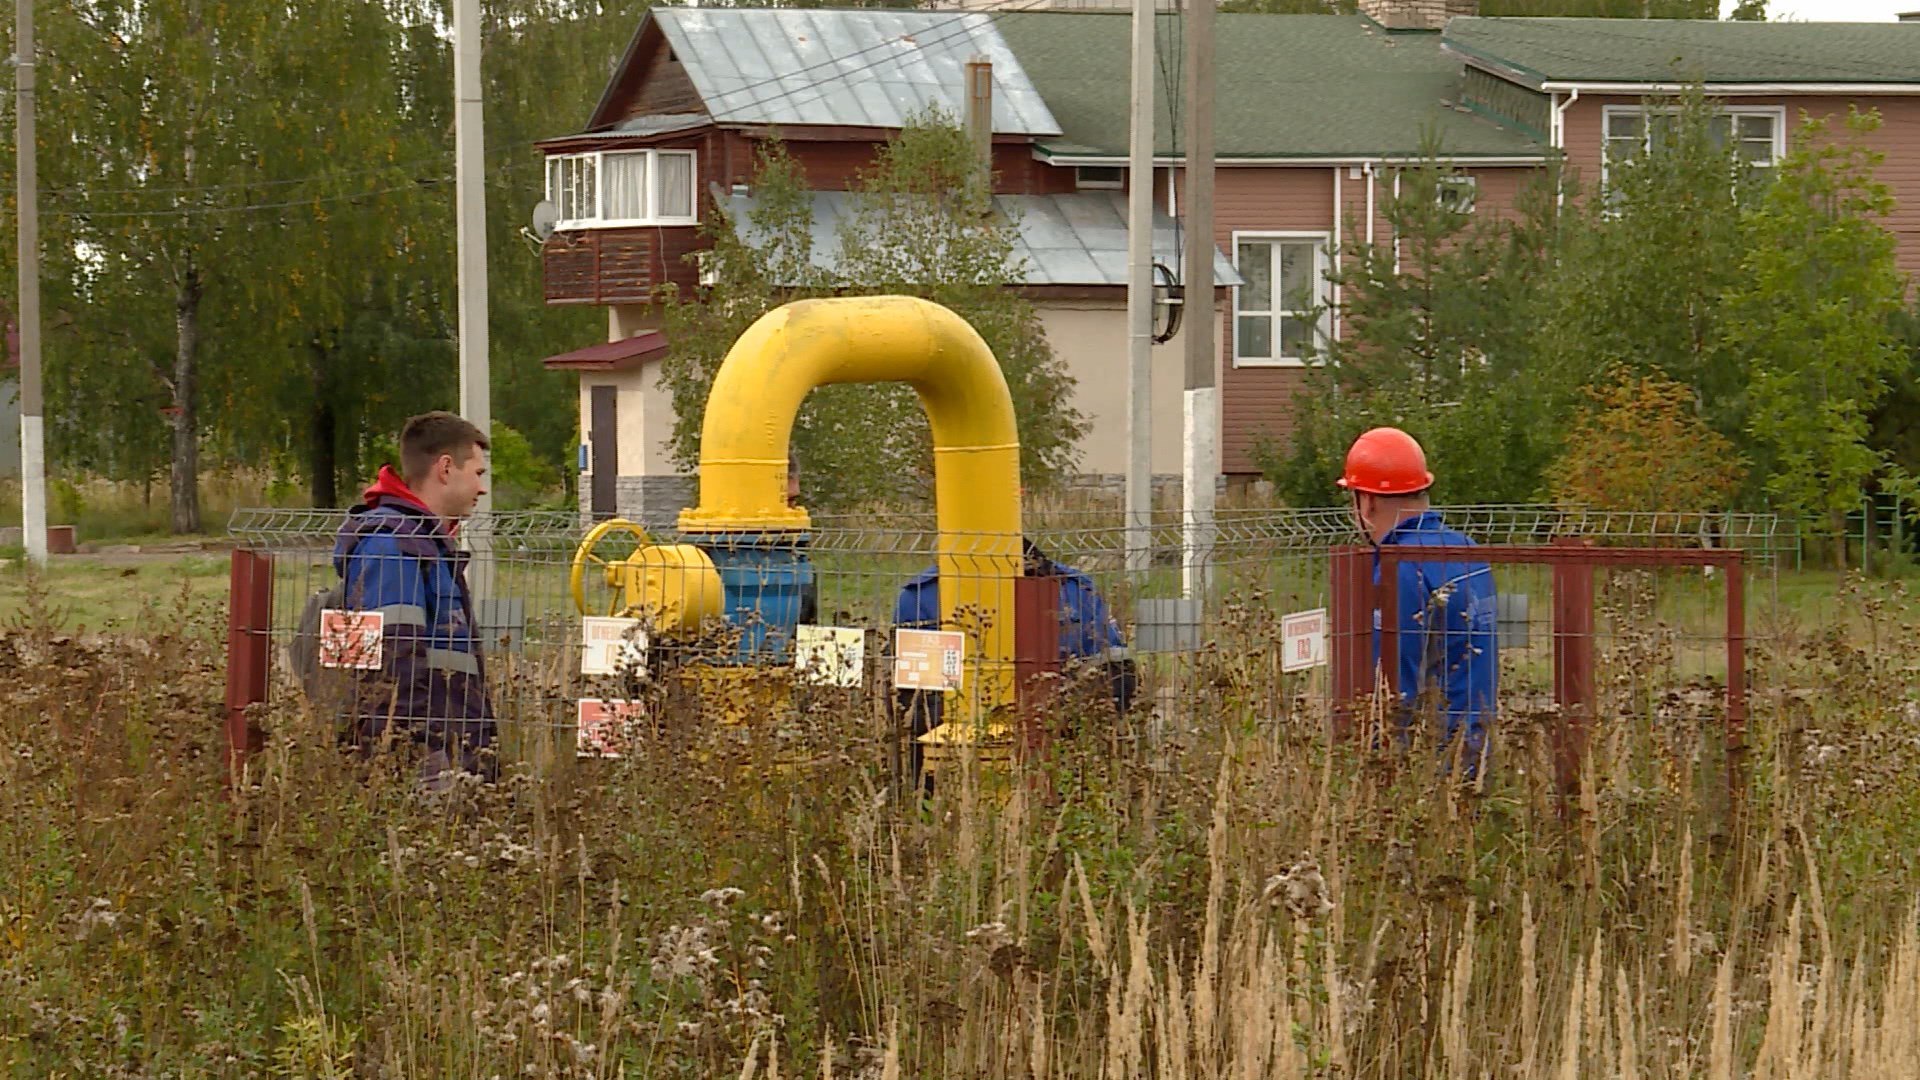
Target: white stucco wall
[(1090, 337)]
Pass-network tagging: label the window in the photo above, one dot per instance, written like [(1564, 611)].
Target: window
[(1457, 193), (1099, 176), (1757, 133), (628, 187), (1281, 310)]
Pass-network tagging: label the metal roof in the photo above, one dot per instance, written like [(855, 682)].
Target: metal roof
[(660, 123), (1537, 51), (1078, 239), (864, 68), (1305, 86)]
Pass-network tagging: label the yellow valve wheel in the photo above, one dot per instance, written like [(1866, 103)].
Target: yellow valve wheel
[(585, 556), (675, 586)]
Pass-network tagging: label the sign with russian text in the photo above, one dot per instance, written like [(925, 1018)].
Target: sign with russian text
[(350, 639), (830, 655), (1303, 640), (928, 659), (605, 729), (612, 646)]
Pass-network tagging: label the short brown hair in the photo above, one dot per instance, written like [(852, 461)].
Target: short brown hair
[(429, 435)]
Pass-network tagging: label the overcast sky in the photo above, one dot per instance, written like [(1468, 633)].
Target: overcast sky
[(1834, 10)]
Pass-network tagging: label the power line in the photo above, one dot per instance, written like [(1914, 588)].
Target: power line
[(247, 208), (962, 22), (961, 26), (239, 185)]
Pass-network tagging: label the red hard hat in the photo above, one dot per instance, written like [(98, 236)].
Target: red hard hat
[(1386, 461)]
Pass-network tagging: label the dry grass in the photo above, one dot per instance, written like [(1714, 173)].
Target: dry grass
[(1231, 899)]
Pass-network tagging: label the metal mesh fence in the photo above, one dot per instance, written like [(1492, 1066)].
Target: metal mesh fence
[(719, 615)]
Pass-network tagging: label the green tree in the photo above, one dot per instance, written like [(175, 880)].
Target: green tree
[(351, 295), (1640, 445), (1814, 314), (922, 226), (1435, 338), (1642, 266), (545, 65), (163, 124)]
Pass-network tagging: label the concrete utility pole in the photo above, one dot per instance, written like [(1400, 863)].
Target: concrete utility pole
[(470, 197), (1200, 461), (1140, 295), (33, 440)]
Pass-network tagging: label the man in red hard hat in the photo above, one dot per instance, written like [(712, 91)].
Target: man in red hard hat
[(1448, 647)]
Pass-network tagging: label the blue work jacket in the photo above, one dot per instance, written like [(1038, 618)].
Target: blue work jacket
[(1448, 632), (394, 557), (1087, 629)]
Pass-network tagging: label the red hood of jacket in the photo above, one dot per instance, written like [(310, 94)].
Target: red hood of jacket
[(389, 487)]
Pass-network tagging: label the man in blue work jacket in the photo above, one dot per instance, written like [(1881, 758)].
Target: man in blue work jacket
[(1447, 642), (1090, 639), (397, 555)]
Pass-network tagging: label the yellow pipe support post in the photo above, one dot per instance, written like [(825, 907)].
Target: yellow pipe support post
[(976, 441)]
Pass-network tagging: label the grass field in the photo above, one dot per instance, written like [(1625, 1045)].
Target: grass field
[(1216, 893)]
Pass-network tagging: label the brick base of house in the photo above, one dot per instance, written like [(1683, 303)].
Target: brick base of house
[(1167, 487), (654, 502)]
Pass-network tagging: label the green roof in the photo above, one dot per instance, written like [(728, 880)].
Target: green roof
[(1332, 86), (1536, 51)]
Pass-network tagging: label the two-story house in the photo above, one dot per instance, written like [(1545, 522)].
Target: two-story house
[(676, 135), (1315, 115)]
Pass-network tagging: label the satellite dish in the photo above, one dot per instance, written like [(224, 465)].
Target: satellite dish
[(545, 217)]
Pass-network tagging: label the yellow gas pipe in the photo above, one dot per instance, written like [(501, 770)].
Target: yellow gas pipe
[(809, 343)]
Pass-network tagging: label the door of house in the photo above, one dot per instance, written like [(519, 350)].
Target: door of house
[(603, 435)]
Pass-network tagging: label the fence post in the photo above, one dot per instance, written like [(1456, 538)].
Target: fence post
[(1736, 570), (249, 622), (1350, 581), (1036, 655), (1573, 688)]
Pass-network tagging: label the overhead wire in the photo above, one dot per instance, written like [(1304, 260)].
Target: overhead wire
[(963, 25), (245, 208)]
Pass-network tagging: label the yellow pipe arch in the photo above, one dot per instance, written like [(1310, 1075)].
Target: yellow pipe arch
[(809, 343)]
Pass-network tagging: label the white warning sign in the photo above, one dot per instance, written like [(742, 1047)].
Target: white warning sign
[(612, 646), (830, 655), (1303, 640)]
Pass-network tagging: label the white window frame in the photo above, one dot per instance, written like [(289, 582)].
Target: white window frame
[(1115, 183), (1467, 187), (599, 220), (1322, 326), (1608, 112)]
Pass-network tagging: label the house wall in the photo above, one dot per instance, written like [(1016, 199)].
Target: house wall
[(1089, 336), (1258, 402), (648, 490), (836, 164), (612, 266), (1898, 136)]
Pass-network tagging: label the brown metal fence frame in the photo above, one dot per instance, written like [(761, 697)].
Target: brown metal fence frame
[(1573, 561), (1306, 555)]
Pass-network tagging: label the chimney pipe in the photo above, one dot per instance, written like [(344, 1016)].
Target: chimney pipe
[(979, 116)]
